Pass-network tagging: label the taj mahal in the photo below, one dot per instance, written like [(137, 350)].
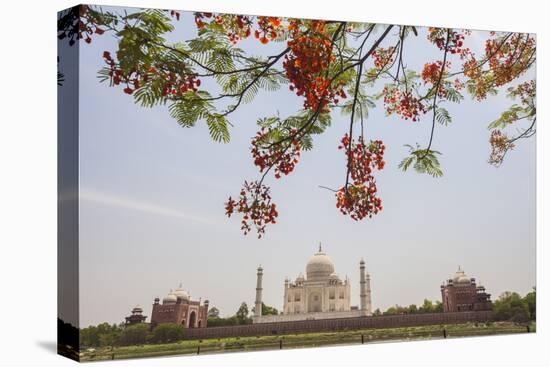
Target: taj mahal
[(321, 294)]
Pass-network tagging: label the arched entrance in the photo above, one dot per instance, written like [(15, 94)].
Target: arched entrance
[(314, 302), (192, 319)]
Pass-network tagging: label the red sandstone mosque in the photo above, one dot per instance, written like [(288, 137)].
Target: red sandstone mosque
[(178, 308), (461, 293)]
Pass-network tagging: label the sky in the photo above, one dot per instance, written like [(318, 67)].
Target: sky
[(152, 202)]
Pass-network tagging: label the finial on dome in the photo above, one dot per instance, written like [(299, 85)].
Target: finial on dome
[(320, 249), (459, 269), (181, 284)]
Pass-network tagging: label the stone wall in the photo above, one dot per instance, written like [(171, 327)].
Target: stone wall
[(278, 328), (309, 316)]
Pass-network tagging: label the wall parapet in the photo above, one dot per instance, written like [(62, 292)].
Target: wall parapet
[(362, 322)]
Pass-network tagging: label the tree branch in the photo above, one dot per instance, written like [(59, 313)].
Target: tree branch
[(436, 87)]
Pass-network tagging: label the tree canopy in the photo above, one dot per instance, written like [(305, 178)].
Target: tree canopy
[(510, 306), (332, 66)]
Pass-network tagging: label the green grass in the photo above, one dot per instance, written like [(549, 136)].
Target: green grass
[(251, 343)]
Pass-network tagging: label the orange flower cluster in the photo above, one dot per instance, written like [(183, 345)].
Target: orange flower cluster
[(402, 103), (200, 18), (131, 80), (269, 29), (458, 84), (526, 91), (500, 144), (283, 155), (431, 72), (256, 207), (358, 199), (362, 158), (383, 56), (88, 25), (238, 27), (510, 59), (438, 36), (172, 84), (472, 70), (307, 63)]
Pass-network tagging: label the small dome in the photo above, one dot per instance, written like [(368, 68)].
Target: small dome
[(181, 294), (461, 278), (334, 276), (170, 298), (300, 278), (319, 267), (137, 309)]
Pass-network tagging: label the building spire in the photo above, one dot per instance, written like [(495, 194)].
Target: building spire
[(320, 249)]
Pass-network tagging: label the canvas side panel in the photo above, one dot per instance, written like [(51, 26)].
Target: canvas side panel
[(67, 183)]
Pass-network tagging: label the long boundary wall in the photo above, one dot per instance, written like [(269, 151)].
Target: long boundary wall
[(365, 322)]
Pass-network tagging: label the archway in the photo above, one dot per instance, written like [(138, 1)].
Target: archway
[(314, 302), (192, 319)]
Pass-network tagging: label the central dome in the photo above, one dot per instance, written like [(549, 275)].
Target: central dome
[(460, 277), (319, 267), (181, 294)]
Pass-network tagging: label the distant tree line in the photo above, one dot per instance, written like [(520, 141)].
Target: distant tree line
[(241, 317), (104, 335), (427, 307)]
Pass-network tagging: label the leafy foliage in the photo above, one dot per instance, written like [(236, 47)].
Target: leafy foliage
[(167, 333), (510, 306), (442, 116), (134, 334), (329, 65), (240, 317), (426, 307), (423, 161)]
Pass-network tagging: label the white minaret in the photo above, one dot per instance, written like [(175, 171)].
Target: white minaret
[(363, 286), (258, 304), (369, 299)]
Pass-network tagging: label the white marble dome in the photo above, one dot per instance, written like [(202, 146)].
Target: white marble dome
[(181, 294), (460, 277), (170, 298), (319, 267)]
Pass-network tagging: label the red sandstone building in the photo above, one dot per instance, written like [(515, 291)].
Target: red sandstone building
[(461, 293), (178, 308)]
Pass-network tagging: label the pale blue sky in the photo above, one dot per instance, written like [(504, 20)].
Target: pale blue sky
[(152, 197)]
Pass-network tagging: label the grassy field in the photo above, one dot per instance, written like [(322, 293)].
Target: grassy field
[(344, 337)]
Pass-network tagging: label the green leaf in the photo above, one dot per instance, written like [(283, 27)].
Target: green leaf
[(188, 110), (217, 126), (442, 116), (423, 161), (511, 115)]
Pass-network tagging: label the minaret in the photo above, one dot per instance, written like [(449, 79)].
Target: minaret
[(258, 304), (362, 286), (369, 299)]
